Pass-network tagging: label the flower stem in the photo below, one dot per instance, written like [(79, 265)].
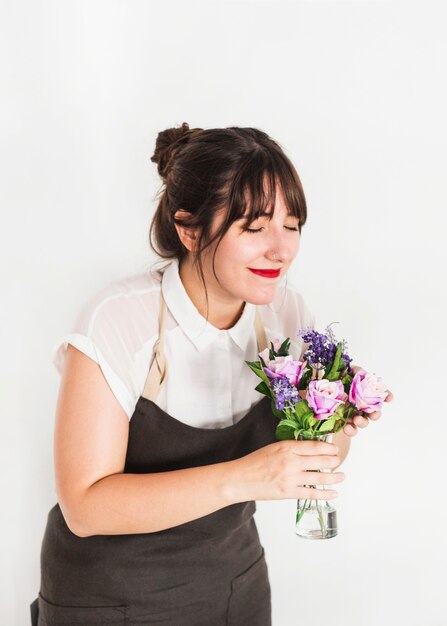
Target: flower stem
[(316, 505), (321, 519)]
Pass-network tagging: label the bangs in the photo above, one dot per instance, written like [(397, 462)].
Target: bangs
[(253, 190)]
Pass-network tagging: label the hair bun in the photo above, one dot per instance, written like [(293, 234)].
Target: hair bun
[(167, 143)]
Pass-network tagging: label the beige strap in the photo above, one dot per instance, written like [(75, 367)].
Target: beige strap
[(261, 337), (158, 369), (159, 366)]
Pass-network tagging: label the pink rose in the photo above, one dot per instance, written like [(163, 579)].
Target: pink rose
[(367, 392), (324, 396), (285, 367)]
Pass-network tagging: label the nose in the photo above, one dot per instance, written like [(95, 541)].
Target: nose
[(279, 248)]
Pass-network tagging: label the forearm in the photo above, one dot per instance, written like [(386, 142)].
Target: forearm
[(343, 442), (144, 503)]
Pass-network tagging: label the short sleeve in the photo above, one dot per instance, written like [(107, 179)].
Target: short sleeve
[(98, 332)]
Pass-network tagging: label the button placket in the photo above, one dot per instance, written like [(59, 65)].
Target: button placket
[(224, 409)]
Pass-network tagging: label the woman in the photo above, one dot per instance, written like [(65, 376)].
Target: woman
[(158, 469)]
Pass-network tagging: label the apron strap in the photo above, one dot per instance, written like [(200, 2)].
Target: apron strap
[(261, 337), (159, 366)]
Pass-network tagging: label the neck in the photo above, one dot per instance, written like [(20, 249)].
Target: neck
[(222, 312)]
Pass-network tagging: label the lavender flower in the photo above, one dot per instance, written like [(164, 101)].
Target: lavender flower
[(285, 393), (322, 348)]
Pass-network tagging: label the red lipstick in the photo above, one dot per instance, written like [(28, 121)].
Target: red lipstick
[(266, 273)]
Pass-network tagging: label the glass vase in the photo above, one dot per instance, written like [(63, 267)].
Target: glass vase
[(316, 519)]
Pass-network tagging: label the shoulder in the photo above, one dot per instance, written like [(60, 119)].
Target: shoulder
[(112, 327), (128, 300)]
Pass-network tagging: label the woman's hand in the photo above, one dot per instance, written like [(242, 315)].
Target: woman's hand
[(360, 421), (281, 470)]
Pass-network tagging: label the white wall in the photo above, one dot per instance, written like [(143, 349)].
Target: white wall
[(355, 93)]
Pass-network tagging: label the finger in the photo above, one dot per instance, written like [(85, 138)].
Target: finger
[(322, 478), (360, 421), (312, 447), (322, 462), (350, 430), (307, 493), (389, 397), (374, 415)]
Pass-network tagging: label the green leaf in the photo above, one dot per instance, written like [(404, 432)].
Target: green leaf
[(339, 410), (309, 421), (261, 360), (284, 432), (255, 366), (347, 381), (327, 425), (349, 411), (288, 422), (305, 379), (284, 347), (257, 369), (307, 434), (337, 365), (301, 408), (265, 389)]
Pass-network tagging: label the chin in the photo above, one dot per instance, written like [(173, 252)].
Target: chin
[(263, 298)]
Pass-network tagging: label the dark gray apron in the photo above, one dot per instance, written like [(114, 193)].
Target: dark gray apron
[(207, 572)]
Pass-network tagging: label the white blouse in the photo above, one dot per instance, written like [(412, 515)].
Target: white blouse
[(208, 384)]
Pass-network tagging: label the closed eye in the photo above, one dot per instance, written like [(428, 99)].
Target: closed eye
[(258, 230)]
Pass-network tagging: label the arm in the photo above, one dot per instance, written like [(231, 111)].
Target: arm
[(143, 503), (91, 435)]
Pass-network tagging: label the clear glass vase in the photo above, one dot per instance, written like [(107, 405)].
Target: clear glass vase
[(316, 519)]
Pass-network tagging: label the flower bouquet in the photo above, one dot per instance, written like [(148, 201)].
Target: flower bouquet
[(314, 397)]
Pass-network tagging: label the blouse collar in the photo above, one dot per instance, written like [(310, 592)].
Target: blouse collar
[(193, 324)]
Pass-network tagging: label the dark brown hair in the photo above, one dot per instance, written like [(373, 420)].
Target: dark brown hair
[(204, 170)]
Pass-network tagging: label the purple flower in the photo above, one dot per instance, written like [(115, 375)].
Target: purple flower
[(285, 393), (322, 348)]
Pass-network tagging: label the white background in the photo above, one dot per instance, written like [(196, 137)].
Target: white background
[(355, 94)]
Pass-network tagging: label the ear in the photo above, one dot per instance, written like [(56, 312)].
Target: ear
[(187, 235)]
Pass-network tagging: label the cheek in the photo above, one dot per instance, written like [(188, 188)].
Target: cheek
[(240, 250)]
